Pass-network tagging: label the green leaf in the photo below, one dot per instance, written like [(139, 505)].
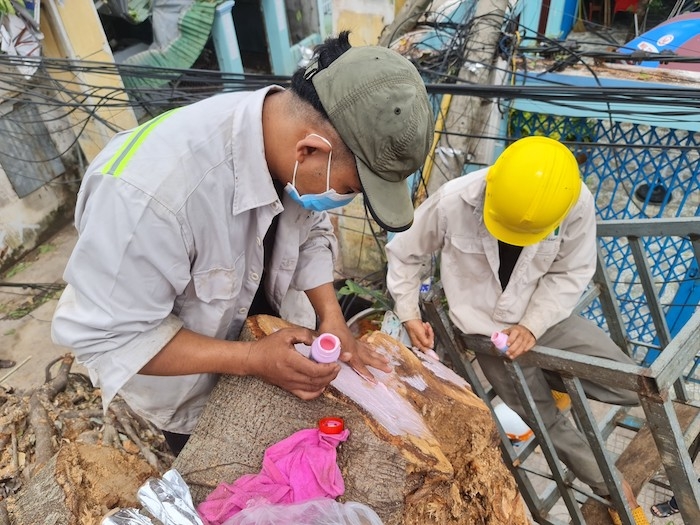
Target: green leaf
[(380, 299)]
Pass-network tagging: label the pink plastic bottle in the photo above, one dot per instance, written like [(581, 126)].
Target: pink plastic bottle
[(325, 349), (500, 341)]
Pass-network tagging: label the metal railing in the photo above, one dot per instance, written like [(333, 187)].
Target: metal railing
[(660, 387)]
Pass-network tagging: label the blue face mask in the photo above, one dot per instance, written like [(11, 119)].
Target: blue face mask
[(327, 200)]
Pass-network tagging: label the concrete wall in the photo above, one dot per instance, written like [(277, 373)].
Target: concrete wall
[(71, 30), (26, 221), (364, 18)]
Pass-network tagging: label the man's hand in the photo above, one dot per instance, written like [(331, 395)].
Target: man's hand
[(275, 360), (422, 337), (421, 334), (520, 340), (356, 354)]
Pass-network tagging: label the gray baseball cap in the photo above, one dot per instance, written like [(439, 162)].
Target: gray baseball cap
[(377, 102)]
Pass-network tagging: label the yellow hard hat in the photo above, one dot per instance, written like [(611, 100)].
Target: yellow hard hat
[(530, 189)]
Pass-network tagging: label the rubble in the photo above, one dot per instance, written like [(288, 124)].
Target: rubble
[(60, 451)]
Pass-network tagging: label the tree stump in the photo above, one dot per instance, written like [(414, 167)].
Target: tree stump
[(423, 448), (79, 485)]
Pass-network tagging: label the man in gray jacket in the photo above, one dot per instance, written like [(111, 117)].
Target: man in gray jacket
[(517, 247), (212, 212)]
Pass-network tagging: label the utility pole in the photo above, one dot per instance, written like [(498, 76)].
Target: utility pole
[(404, 21), (471, 117)]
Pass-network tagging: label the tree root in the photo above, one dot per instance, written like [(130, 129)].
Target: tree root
[(123, 417), (34, 425), (45, 435)]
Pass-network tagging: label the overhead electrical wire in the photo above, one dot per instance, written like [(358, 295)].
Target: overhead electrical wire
[(452, 84), (439, 66)]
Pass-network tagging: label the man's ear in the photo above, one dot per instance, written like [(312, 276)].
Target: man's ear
[(310, 145)]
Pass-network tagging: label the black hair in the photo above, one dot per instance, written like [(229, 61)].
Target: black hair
[(327, 53)]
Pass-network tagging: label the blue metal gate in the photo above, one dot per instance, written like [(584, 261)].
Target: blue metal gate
[(636, 171)]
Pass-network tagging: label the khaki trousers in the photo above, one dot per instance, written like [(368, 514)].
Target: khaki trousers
[(573, 334)]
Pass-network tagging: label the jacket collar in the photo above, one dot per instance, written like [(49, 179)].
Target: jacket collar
[(254, 187), (474, 192)]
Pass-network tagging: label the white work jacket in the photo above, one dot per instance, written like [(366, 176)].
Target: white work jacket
[(547, 280), (171, 219)]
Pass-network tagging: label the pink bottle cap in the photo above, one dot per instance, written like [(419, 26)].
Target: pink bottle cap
[(500, 340), (325, 348)]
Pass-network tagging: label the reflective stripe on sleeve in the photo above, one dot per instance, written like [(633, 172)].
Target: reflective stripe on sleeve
[(120, 159)]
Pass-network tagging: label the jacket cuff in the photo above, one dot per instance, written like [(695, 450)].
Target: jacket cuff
[(537, 329), (407, 312), (121, 364)]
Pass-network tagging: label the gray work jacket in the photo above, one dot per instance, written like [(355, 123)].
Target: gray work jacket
[(171, 219), (547, 280)]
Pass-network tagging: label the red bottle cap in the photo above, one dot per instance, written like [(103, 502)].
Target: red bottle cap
[(331, 425)]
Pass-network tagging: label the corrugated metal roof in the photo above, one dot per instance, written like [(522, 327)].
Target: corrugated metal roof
[(194, 29)]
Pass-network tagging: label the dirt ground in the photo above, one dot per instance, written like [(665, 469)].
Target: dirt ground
[(25, 312)]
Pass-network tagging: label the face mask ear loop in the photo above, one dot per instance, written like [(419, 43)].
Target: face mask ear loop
[(294, 176), (328, 171), (330, 155)]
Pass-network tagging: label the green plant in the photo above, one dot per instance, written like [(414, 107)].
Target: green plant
[(17, 268), (32, 304), (380, 299), (656, 6), (20, 312), (46, 248)]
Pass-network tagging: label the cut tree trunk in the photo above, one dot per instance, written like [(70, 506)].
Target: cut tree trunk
[(423, 448)]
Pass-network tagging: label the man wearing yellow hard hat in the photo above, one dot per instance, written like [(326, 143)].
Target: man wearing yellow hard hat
[(517, 244)]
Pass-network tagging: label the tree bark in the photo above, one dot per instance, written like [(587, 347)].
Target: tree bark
[(39, 419), (423, 448)]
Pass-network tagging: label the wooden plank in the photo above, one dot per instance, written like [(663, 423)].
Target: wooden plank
[(640, 460)]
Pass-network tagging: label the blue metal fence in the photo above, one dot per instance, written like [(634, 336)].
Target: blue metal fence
[(636, 171)]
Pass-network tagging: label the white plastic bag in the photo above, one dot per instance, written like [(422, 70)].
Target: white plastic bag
[(169, 499), (314, 512), (126, 517)]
